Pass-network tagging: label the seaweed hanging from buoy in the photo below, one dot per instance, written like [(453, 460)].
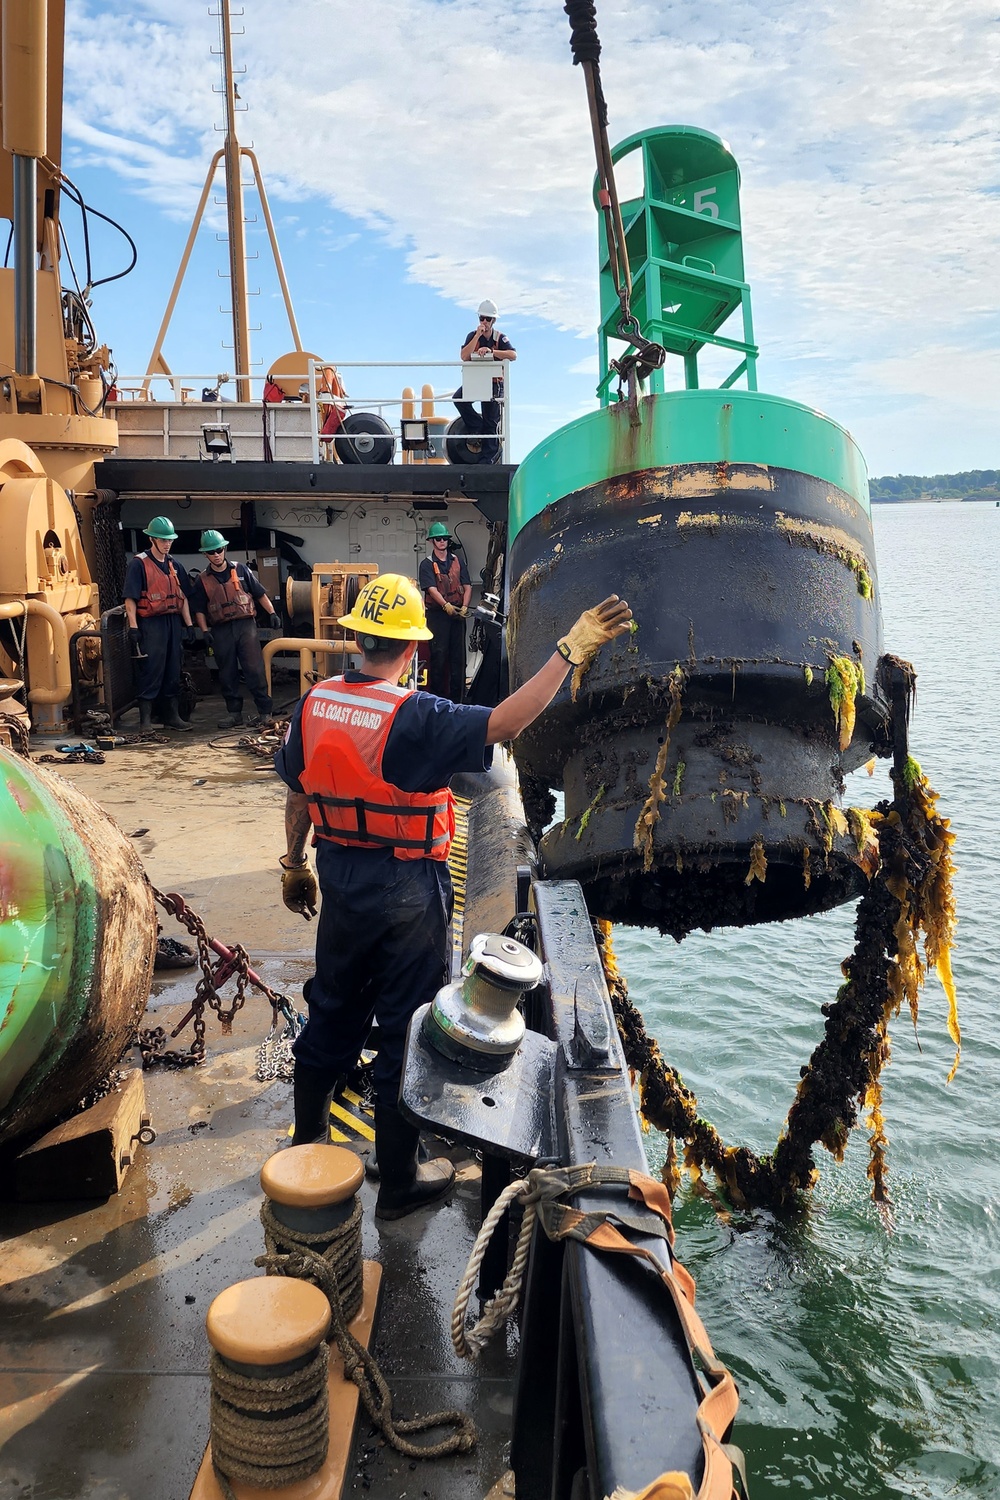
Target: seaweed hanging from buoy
[(909, 900), (845, 679), (650, 814)]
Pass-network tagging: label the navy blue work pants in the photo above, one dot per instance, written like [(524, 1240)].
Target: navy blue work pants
[(382, 947), (446, 668), (160, 674), (236, 644), (487, 421)]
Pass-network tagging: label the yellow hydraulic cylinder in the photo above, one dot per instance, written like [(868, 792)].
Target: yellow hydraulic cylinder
[(24, 77)]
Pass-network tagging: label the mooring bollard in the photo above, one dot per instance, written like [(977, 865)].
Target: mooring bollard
[(312, 1207), (270, 1413)]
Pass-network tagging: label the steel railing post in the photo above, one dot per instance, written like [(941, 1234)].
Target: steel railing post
[(314, 411)]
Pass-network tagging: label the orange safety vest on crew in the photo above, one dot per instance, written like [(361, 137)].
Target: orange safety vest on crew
[(161, 592), (447, 584), (225, 597), (345, 726)]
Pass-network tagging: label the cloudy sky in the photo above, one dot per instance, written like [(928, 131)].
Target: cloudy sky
[(421, 154)]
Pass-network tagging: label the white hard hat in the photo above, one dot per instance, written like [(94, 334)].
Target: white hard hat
[(488, 309)]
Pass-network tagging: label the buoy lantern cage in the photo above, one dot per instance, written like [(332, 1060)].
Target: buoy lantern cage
[(685, 252), (702, 756)]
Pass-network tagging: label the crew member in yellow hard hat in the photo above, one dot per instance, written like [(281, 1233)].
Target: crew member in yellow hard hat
[(367, 764), (156, 607), (224, 602)]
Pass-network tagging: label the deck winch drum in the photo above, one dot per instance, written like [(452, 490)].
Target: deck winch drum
[(476, 1020)]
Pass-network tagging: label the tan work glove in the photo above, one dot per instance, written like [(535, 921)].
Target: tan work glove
[(299, 891), (594, 627), (449, 609), (462, 613)]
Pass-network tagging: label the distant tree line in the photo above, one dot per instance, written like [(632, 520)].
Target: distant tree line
[(976, 484)]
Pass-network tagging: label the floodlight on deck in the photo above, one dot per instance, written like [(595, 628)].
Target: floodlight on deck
[(218, 439), (415, 434)]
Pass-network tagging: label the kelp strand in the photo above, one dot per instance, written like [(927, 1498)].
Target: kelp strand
[(909, 900)]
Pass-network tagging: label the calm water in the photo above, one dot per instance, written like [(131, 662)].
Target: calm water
[(868, 1356)]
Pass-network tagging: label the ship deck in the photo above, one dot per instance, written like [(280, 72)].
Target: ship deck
[(104, 1391)]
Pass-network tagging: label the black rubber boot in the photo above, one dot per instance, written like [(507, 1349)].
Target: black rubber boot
[(403, 1185), (171, 717), (311, 1095), (372, 1171), (145, 713)]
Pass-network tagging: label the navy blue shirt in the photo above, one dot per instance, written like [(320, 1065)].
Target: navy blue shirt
[(428, 579), (431, 739), (491, 341), (247, 581), (135, 577)]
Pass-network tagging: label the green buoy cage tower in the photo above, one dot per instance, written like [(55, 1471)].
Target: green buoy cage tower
[(685, 253)]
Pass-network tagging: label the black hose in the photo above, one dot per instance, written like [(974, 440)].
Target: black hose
[(75, 196)]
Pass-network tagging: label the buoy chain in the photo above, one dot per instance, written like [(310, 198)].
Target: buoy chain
[(910, 893), (15, 726), (152, 1043)]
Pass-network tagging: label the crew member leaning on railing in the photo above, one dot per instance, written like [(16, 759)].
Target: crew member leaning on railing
[(486, 342)]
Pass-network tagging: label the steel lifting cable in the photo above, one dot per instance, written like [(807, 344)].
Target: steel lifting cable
[(585, 46)]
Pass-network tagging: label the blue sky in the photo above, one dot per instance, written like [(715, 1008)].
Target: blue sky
[(422, 154)]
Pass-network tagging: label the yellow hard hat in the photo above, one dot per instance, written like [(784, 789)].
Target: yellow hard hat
[(389, 606)]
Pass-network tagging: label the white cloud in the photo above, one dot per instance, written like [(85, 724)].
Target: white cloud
[(960, 377), (865, 134)]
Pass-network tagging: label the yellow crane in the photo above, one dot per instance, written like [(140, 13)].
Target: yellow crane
[(53, 388)]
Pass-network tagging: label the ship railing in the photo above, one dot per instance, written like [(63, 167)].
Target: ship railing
[(175, 416)]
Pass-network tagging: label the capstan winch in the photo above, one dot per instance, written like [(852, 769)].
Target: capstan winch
[(476, 1020)]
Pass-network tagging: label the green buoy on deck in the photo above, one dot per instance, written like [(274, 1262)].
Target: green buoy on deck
[(77, 942)]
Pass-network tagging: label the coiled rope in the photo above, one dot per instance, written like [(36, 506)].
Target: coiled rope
[(468, 1342), (338, 1271), (269, 1431), (541, 1195), (338, 1247)]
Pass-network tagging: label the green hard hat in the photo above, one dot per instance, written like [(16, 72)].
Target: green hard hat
[(211, 541), (161, 528), (438, 529)]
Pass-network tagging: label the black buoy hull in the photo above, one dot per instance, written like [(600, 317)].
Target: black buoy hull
[(701, 757)]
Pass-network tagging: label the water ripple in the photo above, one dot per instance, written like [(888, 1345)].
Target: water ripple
[(868, 1360)]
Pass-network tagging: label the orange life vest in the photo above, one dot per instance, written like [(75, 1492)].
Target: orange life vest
[(448, 583), (161, 593), (345, 726), (225, 597)]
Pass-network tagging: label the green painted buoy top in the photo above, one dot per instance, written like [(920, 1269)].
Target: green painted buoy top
[(687, 427)]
